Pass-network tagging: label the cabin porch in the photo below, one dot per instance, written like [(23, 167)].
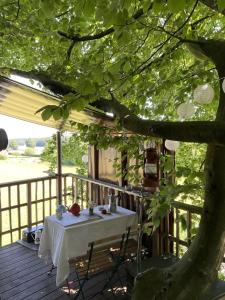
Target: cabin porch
[(23, 275), (26, 204)]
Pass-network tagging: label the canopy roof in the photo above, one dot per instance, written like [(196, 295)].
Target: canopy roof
[(22, 102)]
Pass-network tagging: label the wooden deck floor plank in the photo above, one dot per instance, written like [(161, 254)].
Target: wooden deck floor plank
[(50, 291), (20, 270), (14, 259), (18, 267), (25, 278), (27, 284), (13, 252), (56, 294), (20, 274), (9, 250), (25, 290), (8, 247)]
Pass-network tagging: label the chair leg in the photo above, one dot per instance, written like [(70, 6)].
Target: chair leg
[(108, 283), (50, 271), (67, 282), (81, 285)]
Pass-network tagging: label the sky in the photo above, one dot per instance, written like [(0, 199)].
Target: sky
[(16, 128), (20, 129)]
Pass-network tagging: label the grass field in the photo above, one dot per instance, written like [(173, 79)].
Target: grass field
[(19, 168)]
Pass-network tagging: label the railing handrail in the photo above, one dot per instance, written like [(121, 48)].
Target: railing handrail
[(175, 204), (30, 180), (189, 207)]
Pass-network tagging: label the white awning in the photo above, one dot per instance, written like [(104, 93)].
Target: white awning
[(22, 102)]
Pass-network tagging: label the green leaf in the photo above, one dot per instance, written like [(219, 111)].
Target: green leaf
[(51, 107), (57, 114), (46, 114), (221, 4), (47, 8), (65, 113), (158, 4), (176, 5), (79, 104)]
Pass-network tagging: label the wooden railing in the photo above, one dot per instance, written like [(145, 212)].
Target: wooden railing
[(26, 203), (175, 232)]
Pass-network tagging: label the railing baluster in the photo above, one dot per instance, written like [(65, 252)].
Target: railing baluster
[(87, 198), (43, 197), (76, 191), (36, 198), (86, 188), (0, 218), (65, 189), (50, 195), (81, 194), (29, 217), (10, 213), (73, 189), (189, 225), (18, 210), (177, 231)]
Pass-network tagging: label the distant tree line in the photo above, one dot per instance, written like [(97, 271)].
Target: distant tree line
[(29, 142), (73, 148)]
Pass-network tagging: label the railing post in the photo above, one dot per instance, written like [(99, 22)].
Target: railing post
[(29, 210), (0, 219), (189, 225), (59, 168)]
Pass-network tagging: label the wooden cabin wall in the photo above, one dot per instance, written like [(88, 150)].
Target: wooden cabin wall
[(101, 167), (106, 170)]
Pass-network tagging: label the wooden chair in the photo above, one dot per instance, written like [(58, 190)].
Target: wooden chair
[(97, 260), (124, 253), (129, 247)]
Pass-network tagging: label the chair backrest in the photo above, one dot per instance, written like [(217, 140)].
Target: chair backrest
[(99, 251), (99, 254)]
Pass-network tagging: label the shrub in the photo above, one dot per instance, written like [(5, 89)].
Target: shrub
[(29, 151), (3, 157)]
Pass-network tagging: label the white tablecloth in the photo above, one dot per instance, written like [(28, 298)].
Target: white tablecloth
[(62, 240)]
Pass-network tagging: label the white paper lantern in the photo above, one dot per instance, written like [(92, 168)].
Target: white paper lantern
[(185, 110), (172, 145), (223, 85), (85, 159), (204, 93)]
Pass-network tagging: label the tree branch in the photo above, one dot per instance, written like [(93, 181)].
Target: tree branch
[(194, 131), (213, 5), (142, 66), (77, 38), (53, 85)]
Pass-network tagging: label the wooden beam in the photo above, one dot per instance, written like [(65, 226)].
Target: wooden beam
[(59, 167)]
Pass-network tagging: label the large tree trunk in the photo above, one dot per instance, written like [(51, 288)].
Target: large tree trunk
[(194, 273), (198, 268)]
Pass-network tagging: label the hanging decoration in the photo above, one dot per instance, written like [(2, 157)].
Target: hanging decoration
[(185, 110), (204, 93), (223, 85), (172, 145), (85, 158), (3, 139)]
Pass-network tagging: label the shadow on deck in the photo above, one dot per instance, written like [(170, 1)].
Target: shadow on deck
[(23, 275)]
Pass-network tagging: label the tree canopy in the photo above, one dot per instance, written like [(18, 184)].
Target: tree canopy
[(134, 49), (139, 60)]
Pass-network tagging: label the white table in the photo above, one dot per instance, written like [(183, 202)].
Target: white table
[(62, 240)]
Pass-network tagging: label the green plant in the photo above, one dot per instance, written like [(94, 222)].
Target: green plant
[(29, 151), (3, 157)]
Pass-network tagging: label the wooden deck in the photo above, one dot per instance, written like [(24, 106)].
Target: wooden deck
[(23, 275)]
